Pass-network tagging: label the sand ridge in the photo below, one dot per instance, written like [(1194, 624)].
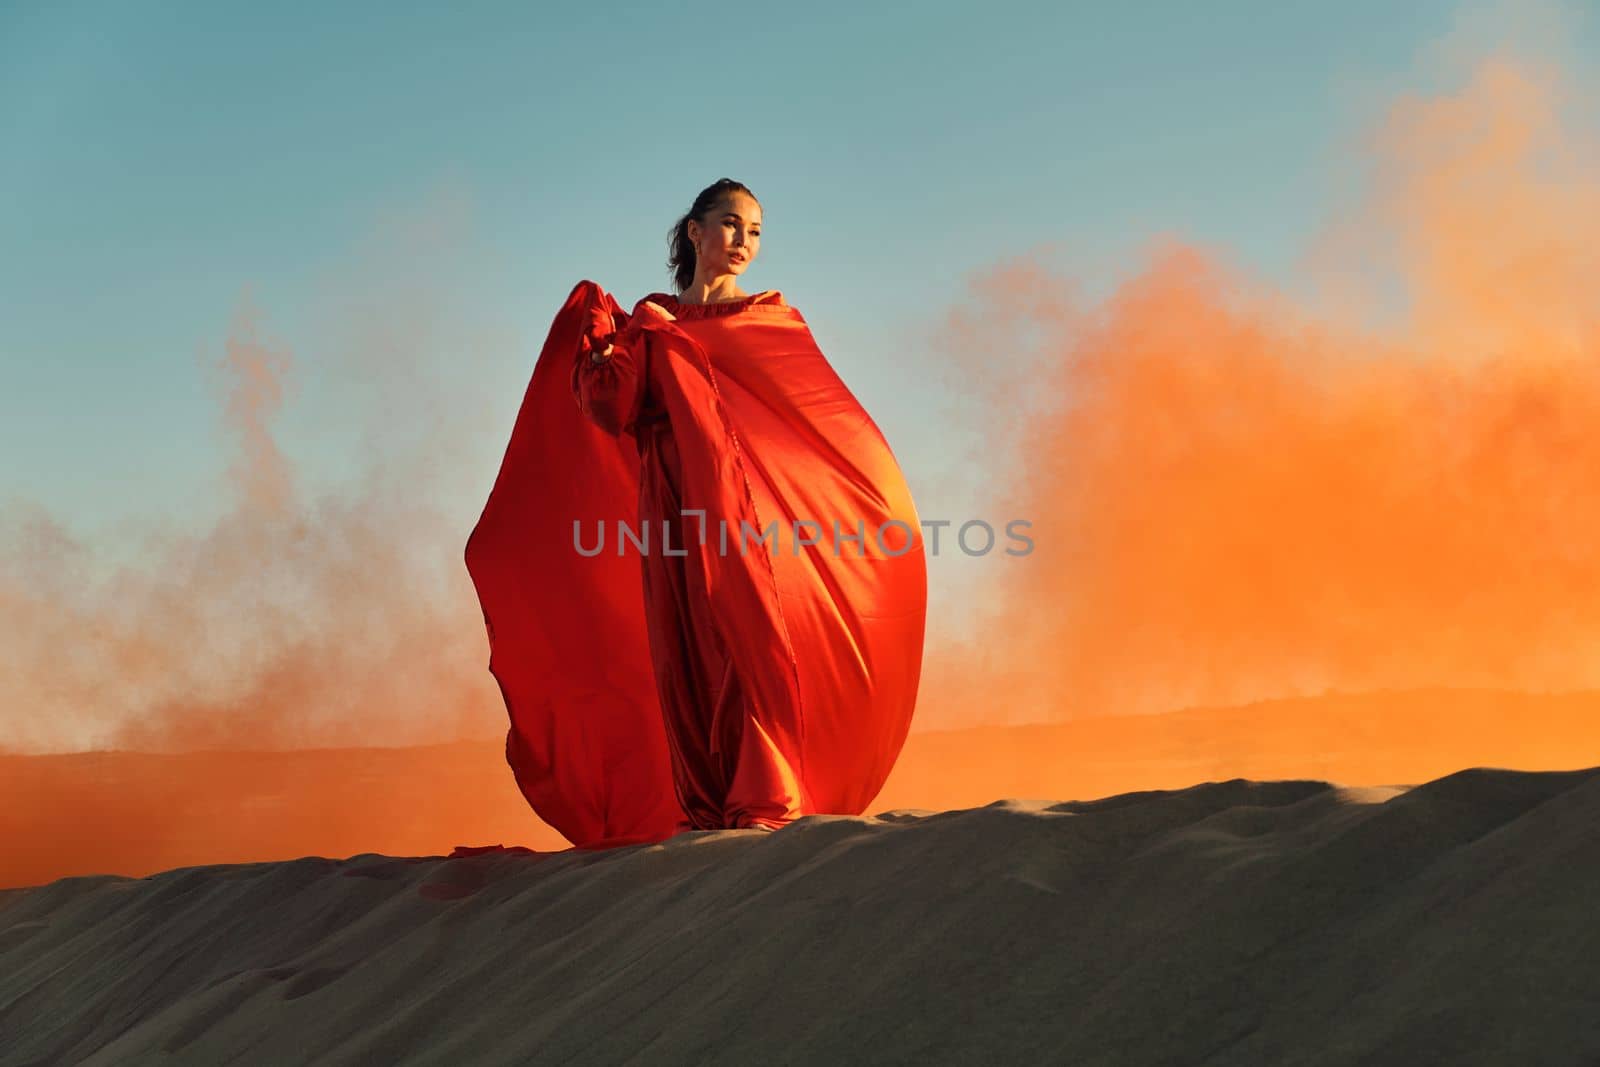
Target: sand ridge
[(1287, 922)]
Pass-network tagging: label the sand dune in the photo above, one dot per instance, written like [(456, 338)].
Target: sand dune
[(1236, 922)]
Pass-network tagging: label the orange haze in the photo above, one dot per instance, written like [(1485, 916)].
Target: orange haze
[(1235, 499), (136, 813)]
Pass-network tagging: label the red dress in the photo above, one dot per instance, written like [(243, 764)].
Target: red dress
[(684, 682)]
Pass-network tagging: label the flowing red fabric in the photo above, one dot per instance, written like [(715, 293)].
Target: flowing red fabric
[(710, 667)]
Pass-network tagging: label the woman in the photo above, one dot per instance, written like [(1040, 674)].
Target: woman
[(758, 660)]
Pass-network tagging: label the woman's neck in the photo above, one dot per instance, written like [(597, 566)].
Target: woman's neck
[(718, 291)]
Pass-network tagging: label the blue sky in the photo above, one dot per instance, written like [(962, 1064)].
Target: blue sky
[(443, 175)]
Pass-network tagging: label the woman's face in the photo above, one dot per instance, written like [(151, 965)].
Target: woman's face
[(727, 239)]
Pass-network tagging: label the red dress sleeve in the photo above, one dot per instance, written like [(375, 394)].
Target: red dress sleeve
[(610, 392), (586, 741)]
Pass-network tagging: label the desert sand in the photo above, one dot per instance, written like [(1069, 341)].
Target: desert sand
[(1232, 922)]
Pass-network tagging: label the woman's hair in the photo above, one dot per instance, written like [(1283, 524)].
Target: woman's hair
[(680, 253)]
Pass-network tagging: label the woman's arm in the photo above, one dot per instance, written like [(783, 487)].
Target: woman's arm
[(608, 377), (607, 374)]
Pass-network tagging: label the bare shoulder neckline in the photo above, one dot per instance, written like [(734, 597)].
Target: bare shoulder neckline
[(713, 303), (766, 302)]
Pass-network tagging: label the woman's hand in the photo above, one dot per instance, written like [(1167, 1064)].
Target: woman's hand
[(596, 332)]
